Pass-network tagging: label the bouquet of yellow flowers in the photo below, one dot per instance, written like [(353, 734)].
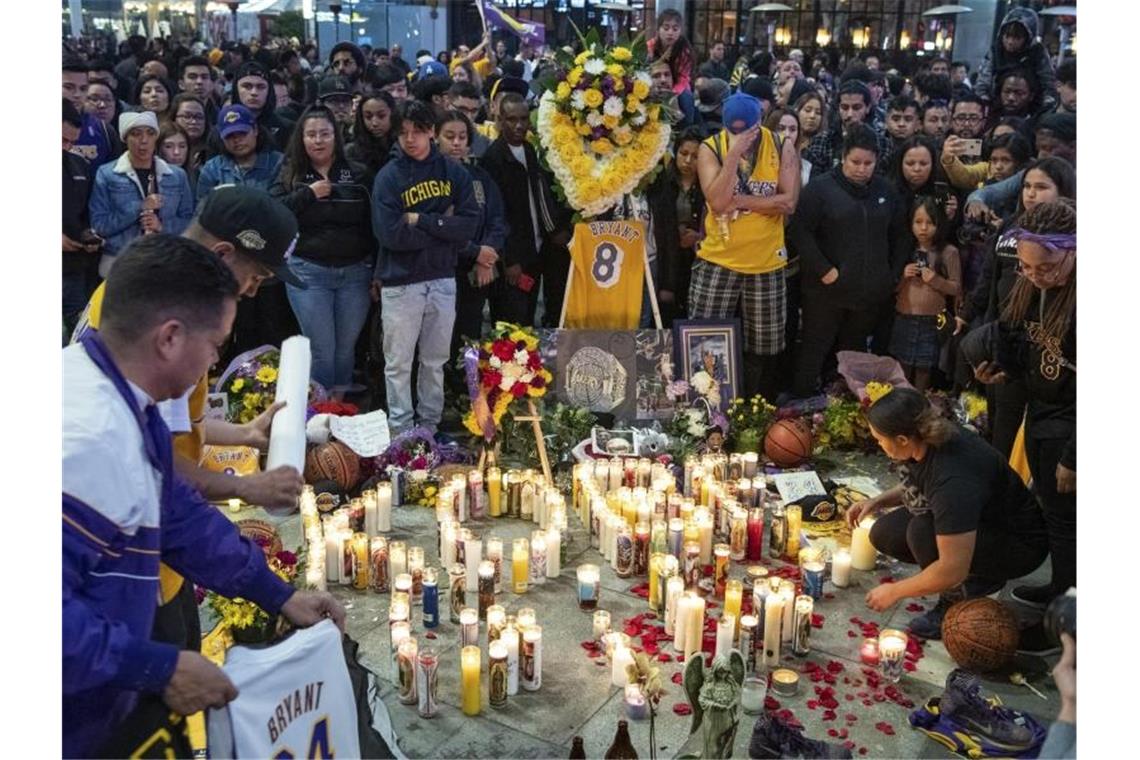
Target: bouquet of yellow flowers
[(250, 384), (599, 131), (250, 623)]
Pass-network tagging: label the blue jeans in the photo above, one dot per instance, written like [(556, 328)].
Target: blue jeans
[(332, 312), (421, 314)]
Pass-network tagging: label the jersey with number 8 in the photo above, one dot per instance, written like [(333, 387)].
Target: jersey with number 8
[(607, 272)]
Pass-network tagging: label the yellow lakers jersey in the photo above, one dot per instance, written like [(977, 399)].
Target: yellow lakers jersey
[(747, 242), (607, 268)]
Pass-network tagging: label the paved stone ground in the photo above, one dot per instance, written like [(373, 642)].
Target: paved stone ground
[(576, 697)]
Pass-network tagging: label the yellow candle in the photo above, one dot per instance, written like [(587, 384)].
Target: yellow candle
[(862, 550), (733, 595), (794, 514), (520, 565), (494, 489), (656, 562), (469, 682)]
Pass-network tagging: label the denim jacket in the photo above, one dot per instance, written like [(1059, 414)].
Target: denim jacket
[(117, 198), (223, 170)]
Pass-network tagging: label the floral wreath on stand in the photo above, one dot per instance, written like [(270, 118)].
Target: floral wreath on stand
[(500, 370)]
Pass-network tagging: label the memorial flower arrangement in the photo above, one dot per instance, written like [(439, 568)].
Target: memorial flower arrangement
[(500, 370), (250, 384), (841, 425), (248, 622), (691, 423), (750, 420), (598, 129)]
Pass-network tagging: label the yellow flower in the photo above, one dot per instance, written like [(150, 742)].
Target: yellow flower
[(631, 104), (621, 54), (470, 423), (619, 85), (593, 97), (616, 71), (251, 400), (238, 384), (563, 91), (582, 57), (590, 190), (640, 89), (266, 375), (623, 136), (602, 146), (581, 165), (611, 122), (564, 135), (574, 75), (876, 390), (584, 129)]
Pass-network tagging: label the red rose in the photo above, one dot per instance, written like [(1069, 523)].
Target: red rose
[(538, 382), (492, 378), (288, 559), (518, 390), (534, 362), (504, 349)]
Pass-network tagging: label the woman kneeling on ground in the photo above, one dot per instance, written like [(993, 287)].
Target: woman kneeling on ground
[(967, 519)]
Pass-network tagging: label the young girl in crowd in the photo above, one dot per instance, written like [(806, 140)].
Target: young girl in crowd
[(371, 133), (174, 148), (190, 113), (930, 285), (671, 45)]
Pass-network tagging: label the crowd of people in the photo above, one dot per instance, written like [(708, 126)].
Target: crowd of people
[(926, 214)]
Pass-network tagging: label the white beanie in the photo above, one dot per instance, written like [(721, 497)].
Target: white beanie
[(131, 119)]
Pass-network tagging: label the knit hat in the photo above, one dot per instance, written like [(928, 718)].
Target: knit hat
[(742, 107), (131, 119)]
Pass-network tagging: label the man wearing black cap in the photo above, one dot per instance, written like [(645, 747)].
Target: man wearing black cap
[(347, 60), (335, 93), (253, 90), (711, 95), (854, 106)]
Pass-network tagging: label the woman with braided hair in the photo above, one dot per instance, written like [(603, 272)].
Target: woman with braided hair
[(1038, 344)]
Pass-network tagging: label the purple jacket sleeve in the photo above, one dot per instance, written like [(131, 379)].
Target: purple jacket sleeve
[(200, 543)]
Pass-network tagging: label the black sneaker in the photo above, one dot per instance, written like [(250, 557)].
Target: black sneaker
[(772, 738), (1001, 728), (1035, 640), (928, 625), (1034, 596)]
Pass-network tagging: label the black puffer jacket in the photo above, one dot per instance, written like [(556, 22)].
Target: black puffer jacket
[(335, 231), (860, 230)]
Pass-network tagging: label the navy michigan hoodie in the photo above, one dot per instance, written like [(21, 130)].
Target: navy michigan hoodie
[(439, 190)]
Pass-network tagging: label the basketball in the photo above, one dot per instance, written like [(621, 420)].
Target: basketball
[(332, 461), (788, 443), (980, 634)]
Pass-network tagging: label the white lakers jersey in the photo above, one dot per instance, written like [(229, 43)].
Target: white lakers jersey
[(295, 700)]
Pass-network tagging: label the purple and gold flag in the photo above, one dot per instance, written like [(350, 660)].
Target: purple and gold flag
[(528, 31)]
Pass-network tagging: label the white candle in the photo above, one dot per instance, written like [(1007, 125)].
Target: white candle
[(397, 558), (553, 552), (510, 637), (674, 587), (704, 532), (680, 620), (841, 568), (384, 507), (473, 548), (788, 600), (532, 658), (623, 656), (750, 461), (695, 628), (287, 433), (495, 555), (725, 630), (459, 489), (862, 550), (448, 533), (616, 521), (371, 517), (332, 555), (773, 615)]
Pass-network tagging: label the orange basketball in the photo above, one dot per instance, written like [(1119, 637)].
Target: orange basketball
[(980, 634), (333, 461), (788, 443)]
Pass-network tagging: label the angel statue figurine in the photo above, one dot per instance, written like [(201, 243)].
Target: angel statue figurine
[(715, 691)]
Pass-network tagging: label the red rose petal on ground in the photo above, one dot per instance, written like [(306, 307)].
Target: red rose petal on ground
[(835, 666), (850, 717), (855, 621), (632, 630), (852, 635), (682, 709), (812, 704), (771, 703), (650, 615), (849, 744), (641, 590), (677, 677), (867, 703), (849, 697), (829, 678), (832, 733), (829, 595), (817, 621), (594, 653), (886, 579), (816, 677), (650, 648), (915, 607), (829, 715), (588, 645), (829, 702), (665, 657), (862, 750), (429, 635), (909, 667)]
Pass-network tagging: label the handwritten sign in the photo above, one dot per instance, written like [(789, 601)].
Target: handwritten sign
[(796, 485), (366, 434)]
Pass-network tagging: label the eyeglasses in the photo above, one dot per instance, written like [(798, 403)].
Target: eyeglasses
[(193, 118), (968, 119)]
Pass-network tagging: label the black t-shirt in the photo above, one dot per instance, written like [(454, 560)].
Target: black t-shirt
[(144, 179), (967, 485)]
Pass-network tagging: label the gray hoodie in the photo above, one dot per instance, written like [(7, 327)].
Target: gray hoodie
[(1033, 57)]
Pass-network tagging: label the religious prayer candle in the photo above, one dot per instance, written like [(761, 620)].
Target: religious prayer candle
[(725, 628), (687, 510), (672, 507), (749, 624), (616, 522), (457, 589), (356, 515), (512, 639), (733, 598), (315, 572), (497, 674), (427, 662), (520, 563), (371, 526), (735, 466), (553, 552), (448, 536), (705, 535), (751, 461), (616, 473), (513, 481), (691, 564), (869, 651), (332, 553), (360, 561), (531, 658), (469, 627), (841, 568), (462, 504), (812, 568), (795, 519), (470, 659), (347, 557), (801, 624), (416, 570), (625, 551), (754, 552), (494, 490), (406, 670), (486, 587), (658, 537), (656, 565), (644, 472), (384, 507), (720, 568), (431, 597), (788, 598), (892, 650), (589, 587), (526, 500), (601, 624), (379, 558), (476, 496), (615, 640), (670, 568), (538, 557), (397, 558), (496, 621), (681, 619), (676, 536), (862, 550), (494, 554), (473, 555), (778, 540), (696, 484), (623, 656), (398, 633), (738, 534), (641, 548), (644, 512), (674, 587), (773, 617)]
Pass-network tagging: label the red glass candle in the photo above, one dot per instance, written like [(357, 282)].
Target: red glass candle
[(755, 534)]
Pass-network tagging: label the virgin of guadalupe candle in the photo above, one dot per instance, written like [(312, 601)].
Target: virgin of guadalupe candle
[(431, 598), (457, 590), (497, 674), (416, 570), (691, 565), (720, 568), (520, 562), (495, 556), (378, 576), (532, 658), (469, 627), (641, 548), (476, 496), (486, 587), (347, 557), (494, 490), (496, 620), (754, 551), (538, 557), (469, 663), (624, 564), (589, 587), (841, 568), (526, 501), (406, 668), (801, 625), (738, 534), (778, 541), (427, 663)]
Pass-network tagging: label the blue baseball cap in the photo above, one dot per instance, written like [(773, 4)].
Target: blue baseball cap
[(431, 69), (234, 119), (741, 107)]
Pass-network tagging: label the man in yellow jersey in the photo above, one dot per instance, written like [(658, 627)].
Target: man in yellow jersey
[(750, 183)]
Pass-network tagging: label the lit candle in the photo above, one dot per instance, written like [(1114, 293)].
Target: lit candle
[(788, 598), (862, 550), (869, 651), (378, 577), (656, 564), (636, 708), (616, 522), (469, 627), (473, 555), (795, 520), (785, 682), (526, 618), (497, 674), (755, 534), (778, 531), (553, 552), (397, 558), (459, 488), (641, 548), (416, 570), (371, 518), (448, 535), (431, 597), (676, 536), (801, 634), (235, 505), (406, 669), (510, 638), (725, 629), (470, 662), (841, 568), (892, 650), (738, 533), (749, 625), (347, 560), (495, 555), (360, 561), (694, 628), (681, 619), (773, 615), (752, 693), (623, 656), (750, 461), (520, 563), (532, 658), (589, 587), (426, 663), (720, 568), (495, 490), (486, 587), (624, 558), (601, 624), (733, 598), (476, 496), (496, 621), (691, 564), (398, 633), (457, 587), (616, 472), (674, 587), (704, 535), (383, 507), (315, 572), (538, 557), (332, 554)]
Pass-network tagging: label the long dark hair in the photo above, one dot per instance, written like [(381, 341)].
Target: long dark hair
[(297, 163), (680, 51), (147, 79), (1055, 217), (1060, 171), (369, 143), (934, 210), (910, 143), (906, 412)]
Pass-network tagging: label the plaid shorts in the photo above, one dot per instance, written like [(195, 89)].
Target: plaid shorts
[(715, 292)]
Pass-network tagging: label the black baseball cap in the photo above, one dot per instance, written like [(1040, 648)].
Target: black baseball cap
[(255, 223)]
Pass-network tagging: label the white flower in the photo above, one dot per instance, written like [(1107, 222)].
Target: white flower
[(594, 119), (702, 383), (595, 66), (506, 383), (642, 76), (578, 100), (613, 106), (418, 475), (495, 362), (527, 377), (521, 357)]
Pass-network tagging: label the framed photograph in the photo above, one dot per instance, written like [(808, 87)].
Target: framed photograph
[(654, 374), (712, 346)]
